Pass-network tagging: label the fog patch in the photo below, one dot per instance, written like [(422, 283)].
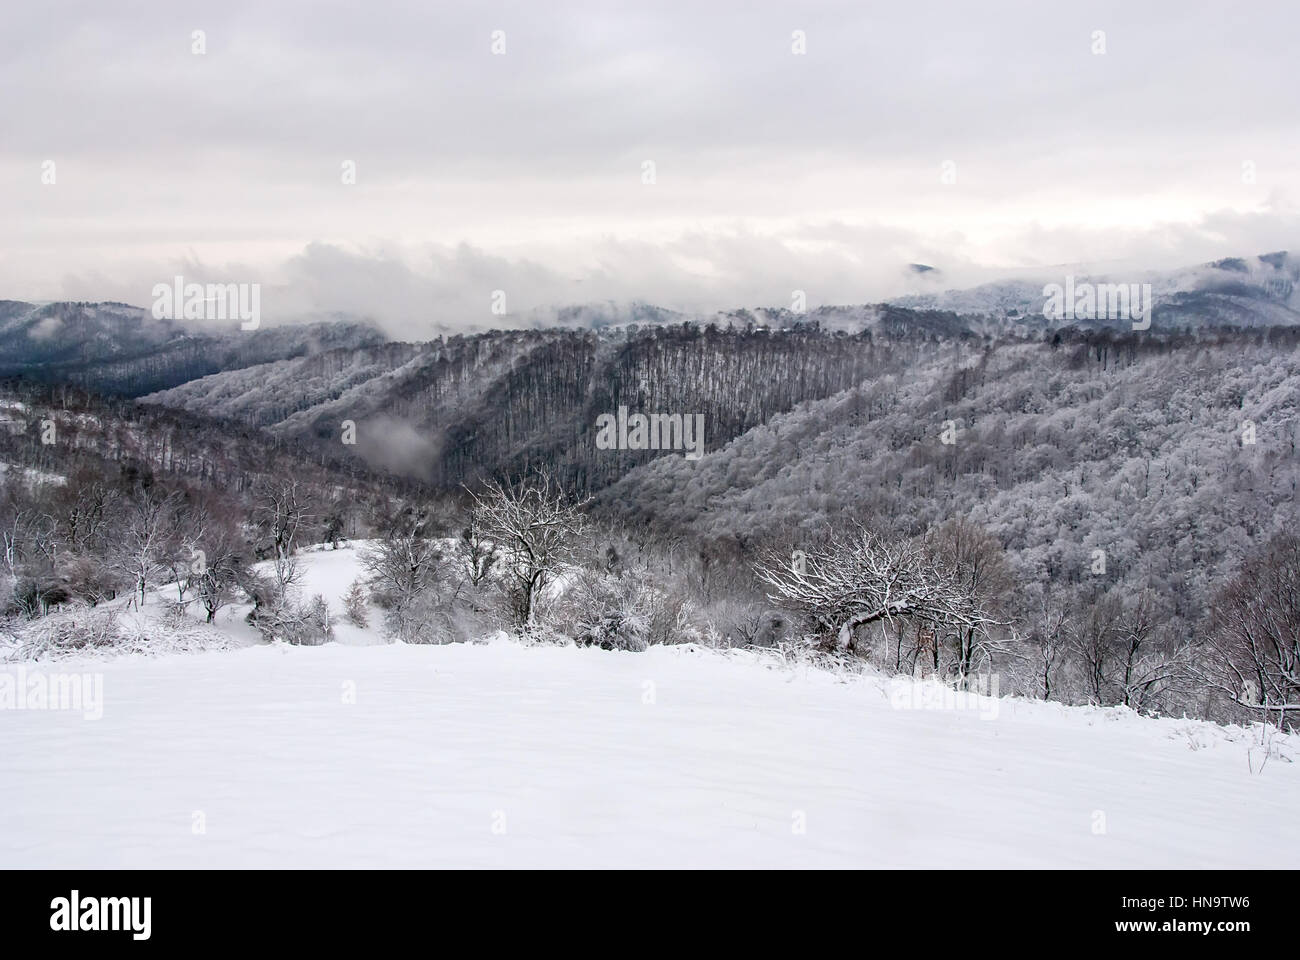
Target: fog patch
[(396, 446)]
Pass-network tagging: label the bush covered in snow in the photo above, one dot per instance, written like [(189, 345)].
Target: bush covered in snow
[(610, 612), (354, 604), (289, 621), (79, 630)]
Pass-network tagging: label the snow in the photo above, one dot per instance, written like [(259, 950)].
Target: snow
[(330, 573), (499, 754)]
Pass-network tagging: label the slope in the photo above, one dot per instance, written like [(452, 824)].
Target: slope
[(501, 755)]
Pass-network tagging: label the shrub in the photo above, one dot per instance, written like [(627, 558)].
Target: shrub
[(79, 630), (354, 605), (300, 624), (613, 613), (423, 619)]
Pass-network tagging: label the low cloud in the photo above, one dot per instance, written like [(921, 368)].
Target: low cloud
[(1001, 141), (393, 445), (418, 292)]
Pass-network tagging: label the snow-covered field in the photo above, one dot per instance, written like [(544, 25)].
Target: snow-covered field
[(502, 755)]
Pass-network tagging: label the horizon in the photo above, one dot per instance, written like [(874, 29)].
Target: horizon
[(701, 160), (1029, 276)]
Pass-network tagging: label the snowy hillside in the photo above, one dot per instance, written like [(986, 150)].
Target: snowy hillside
[(1238, 291), (120, 349), (366, 754)]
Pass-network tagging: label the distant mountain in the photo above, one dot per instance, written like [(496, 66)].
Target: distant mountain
[(499, 403), (79, 333), (1243, 292), (598, 316), (1256, 291), (114, 348)]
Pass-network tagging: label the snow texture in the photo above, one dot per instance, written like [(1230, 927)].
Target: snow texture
[(496, 754)]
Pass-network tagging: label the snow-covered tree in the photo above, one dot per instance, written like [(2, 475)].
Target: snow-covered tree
[(978, 582), (538, 529), (282, 512), (479, 552), (402, 568), (1044, 646), (354, 604), (147, 539), (1254, 638), (865, 579)]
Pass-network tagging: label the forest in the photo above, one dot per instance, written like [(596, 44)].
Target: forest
[(1089, 516)]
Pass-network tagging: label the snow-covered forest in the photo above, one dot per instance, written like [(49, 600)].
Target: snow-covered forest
[(1078, 513)]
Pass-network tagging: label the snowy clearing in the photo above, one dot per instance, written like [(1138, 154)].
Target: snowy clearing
[(556, 747), (503, 755)]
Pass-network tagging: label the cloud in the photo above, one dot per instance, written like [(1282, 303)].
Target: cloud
[(417, 292), (523, 172), (395, 446)]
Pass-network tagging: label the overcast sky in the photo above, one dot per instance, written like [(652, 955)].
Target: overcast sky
[(523, 171)]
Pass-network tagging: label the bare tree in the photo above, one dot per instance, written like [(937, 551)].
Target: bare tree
[(147, 539), (1044, 645), (480, 552), (851, 582), (188, 558), (1126, 653), (222, 568), (1094, 636), (83, 509), (538, 529), (1146, 668), (864, 579), (977, 580), (282, 511), (1254, 637), (16, 523), (402, 567), (28, 534)]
